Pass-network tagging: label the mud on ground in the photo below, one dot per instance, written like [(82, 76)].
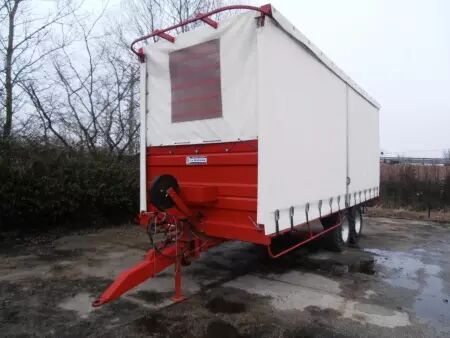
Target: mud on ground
[(396, 283), (436, 215)]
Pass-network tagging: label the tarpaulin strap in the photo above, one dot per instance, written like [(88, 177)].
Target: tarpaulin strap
[(291, 215), (277, 219), (307, 218)]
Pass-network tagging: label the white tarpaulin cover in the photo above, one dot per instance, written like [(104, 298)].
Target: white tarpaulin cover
[(317, 130), (238, 82)]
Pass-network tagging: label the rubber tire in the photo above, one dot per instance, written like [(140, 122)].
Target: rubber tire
[(333, 240), (355, 214)]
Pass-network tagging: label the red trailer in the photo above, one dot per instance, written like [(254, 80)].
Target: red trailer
[(248, 132)]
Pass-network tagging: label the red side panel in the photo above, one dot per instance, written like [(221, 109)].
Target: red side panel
[(219, 180)]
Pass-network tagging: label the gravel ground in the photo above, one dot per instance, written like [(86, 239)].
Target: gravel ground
[(396, 283)]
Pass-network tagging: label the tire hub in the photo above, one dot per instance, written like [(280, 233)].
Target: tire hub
[(358, 223), (345, 230)]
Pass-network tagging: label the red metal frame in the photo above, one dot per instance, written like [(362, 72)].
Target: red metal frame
[(228, 202), (265, 10), (299, 244), (152, 264), (186, 247), (209, 21)]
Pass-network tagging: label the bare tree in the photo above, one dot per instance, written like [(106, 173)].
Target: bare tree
[(87, 95), (23, 47), (446, 156), (141, 17), (90, 101), (46, 112)]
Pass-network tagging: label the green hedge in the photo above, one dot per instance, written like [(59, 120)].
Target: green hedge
[(44, 186)]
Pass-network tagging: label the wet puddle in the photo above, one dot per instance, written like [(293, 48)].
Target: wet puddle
[(407, 270)]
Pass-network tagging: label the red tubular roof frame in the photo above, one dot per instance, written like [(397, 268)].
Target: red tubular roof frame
[(162, 33)]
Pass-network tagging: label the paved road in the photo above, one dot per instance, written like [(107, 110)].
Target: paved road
[(396, 284)]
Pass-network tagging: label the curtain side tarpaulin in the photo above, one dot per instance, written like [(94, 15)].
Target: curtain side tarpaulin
[(236, 117), (315, 127)]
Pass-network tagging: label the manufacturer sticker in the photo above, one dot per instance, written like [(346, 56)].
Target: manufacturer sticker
[(196, 160)]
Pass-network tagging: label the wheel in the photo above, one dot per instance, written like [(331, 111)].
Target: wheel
[(337, 239), (356, 224), (158, 191)]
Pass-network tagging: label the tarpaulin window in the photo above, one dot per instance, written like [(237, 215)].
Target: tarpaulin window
[(195, 82)]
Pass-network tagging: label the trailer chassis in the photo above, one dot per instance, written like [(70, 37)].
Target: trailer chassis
[(186, 245)]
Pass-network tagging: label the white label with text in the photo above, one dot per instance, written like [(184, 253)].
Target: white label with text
[(196, 160)]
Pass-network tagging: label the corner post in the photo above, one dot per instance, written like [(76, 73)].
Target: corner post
[(143, 131)]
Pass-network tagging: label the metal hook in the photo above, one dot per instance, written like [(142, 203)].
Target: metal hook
[(277, 218), (306, 212), (291, 215)]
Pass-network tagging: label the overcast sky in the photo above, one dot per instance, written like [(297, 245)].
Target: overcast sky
[(397, 50)]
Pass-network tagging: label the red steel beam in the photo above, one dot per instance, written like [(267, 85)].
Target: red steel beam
[(179, 202), (165, 36), (208, 21), (295, 246), (127, 280)]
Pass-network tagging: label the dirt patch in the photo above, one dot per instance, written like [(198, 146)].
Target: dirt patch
[(153, 297), (43, 308), (435, 215), (353, 260), (220, 305), (221, 329), (151, 325), (49, 290), (364, 266)]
